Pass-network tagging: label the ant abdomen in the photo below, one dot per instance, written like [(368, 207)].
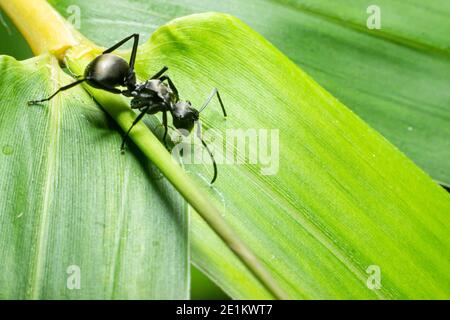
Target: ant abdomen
[(107, 70)]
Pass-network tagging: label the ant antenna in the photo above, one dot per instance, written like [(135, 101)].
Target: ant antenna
[(214, 92), (199, 135)]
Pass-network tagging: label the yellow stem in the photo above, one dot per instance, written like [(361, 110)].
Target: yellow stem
[(43, 28)]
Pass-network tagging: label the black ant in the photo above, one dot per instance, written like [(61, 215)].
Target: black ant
[(109, 72)]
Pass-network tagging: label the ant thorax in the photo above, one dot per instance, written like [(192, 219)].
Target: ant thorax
[(153, 94), (154, 89)]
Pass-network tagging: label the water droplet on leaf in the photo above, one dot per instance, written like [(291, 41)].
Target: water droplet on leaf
[(7, 150)]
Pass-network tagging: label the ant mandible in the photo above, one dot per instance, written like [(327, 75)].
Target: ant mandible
[(110, 72)]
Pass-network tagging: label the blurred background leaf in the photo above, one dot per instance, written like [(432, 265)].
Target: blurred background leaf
[(202, 288), (11, 41)]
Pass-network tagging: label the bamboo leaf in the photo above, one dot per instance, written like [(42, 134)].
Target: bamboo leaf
[(395, 78), (77, 219), (343, 200)]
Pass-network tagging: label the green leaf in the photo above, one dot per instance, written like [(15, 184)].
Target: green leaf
[(344, 199), (395, 78), (71, 204)]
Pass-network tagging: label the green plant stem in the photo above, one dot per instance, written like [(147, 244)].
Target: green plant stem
[(55, 36)]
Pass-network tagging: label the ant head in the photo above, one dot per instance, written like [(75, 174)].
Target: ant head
[(107, 71), (184, 116)]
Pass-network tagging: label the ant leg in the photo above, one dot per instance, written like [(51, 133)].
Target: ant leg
[(99, 85), (135, 37), (164, 120), (160, 73), (34, 102), (214, 92), (171, 85), (199, 135), (138, 118)]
